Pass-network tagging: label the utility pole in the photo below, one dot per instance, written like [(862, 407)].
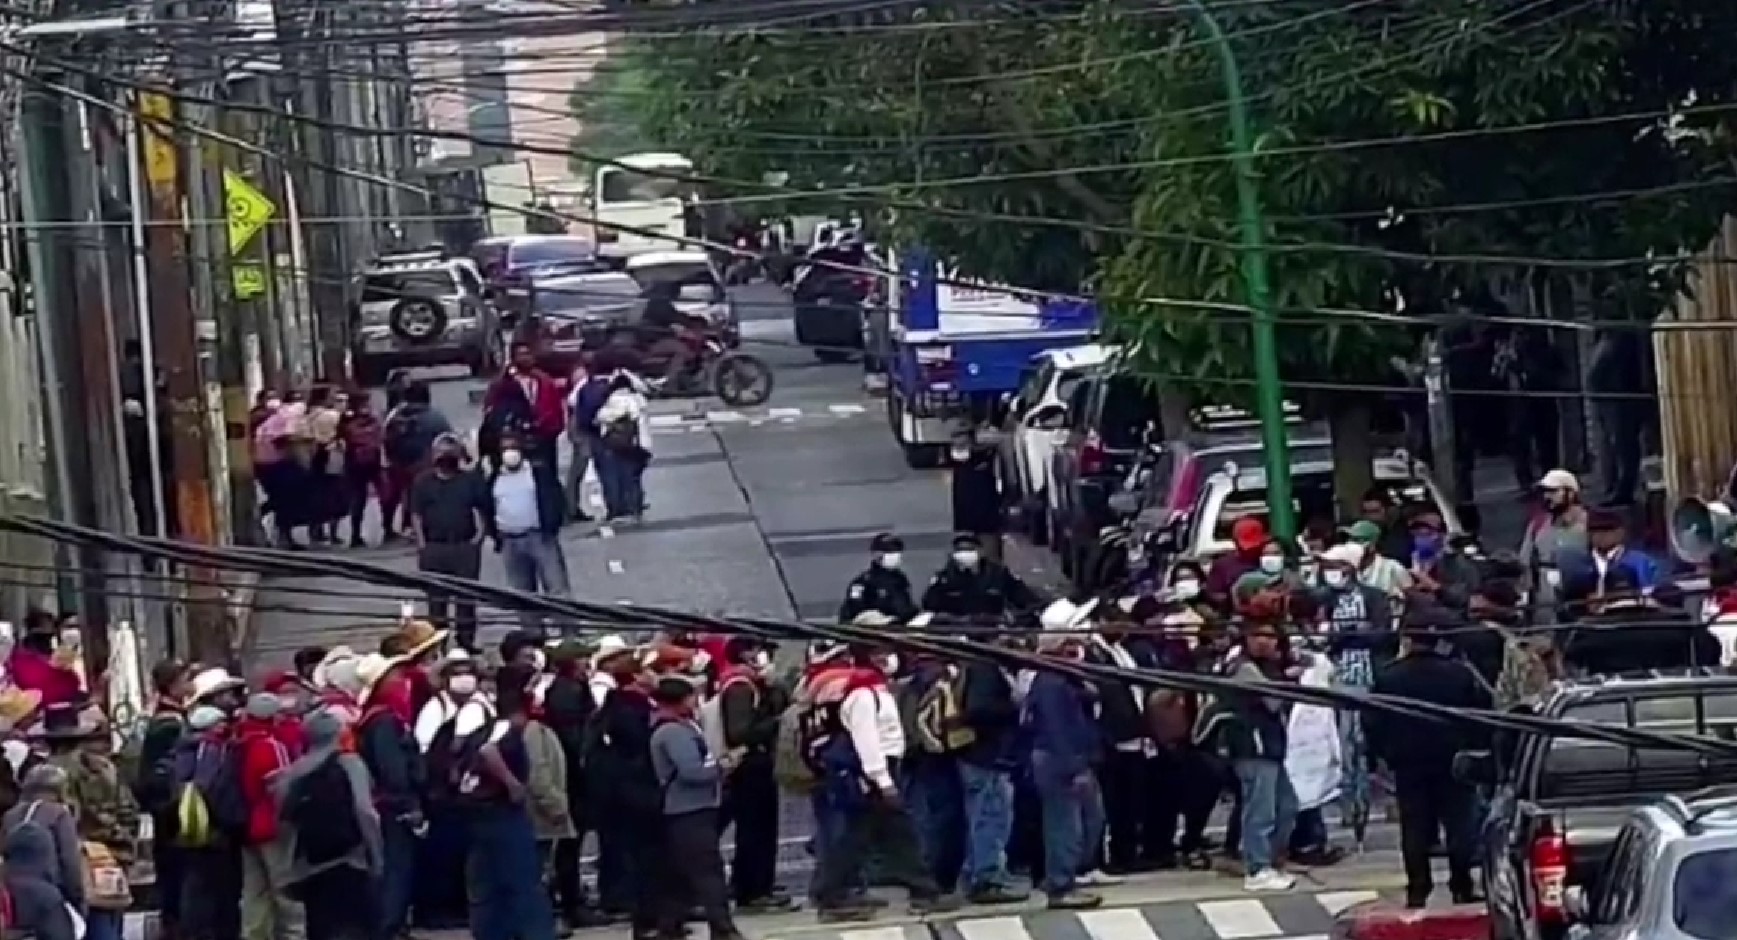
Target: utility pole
[(1441, 419), (1269, 392), (176, 338), (246, 210)]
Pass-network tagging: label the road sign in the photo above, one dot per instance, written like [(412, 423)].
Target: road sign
[(249, 280), (247, 208)]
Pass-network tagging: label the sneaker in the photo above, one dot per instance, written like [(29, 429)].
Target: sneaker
[(1270, 879), (998, 894), (1075, 901), (1097, 879)]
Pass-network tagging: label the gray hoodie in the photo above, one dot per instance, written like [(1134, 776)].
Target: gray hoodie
[(686, 770), (47, 847)]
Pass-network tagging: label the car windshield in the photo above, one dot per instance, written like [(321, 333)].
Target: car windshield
[(692, 280), (579, 296), (1704, 897), (632, 186), (395, 286), (550, 251)]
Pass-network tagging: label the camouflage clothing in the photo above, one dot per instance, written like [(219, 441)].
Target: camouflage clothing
[(107, 811), (1529, 665)]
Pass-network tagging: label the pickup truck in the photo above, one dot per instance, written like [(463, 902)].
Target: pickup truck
[(1557, 804)]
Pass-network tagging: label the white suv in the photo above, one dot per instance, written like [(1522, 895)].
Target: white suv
[(422, 309), (1037, 424)]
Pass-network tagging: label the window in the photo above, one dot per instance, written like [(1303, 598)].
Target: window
[(1158, 479), (1031, 387), (1574, 767), (631, 186), (391, 287), (1704, 895), (591, 295), (469, 281), (1068, 383), (1079, 401), (692, 280), (1126, 408), (550, 251), (1617, 893)]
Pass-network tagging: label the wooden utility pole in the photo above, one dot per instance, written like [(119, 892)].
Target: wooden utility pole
[(175, 334)]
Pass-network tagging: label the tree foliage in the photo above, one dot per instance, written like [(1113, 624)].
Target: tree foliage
[(1110, 117)]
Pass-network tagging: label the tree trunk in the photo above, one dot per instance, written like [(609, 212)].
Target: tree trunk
[(1348, 424)]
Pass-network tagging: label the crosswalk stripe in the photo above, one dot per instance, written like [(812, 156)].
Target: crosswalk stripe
[(1118, 923), (1337, 902), (874, 933), (1239, 919), (993, 928)]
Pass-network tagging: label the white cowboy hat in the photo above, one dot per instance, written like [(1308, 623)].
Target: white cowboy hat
[(322, 674), (370, 669), (1065, 615), (209, 682), (608, 648), (921, 620), (873, 618)]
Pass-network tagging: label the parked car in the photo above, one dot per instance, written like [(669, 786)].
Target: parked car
[(1561, 811), (511, 264), (1110, 416), (1036, 425), (422, 309), (830, 300), (575, 313), (699, 290)]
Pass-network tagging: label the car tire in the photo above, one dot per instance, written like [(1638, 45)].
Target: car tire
[(400, 320)]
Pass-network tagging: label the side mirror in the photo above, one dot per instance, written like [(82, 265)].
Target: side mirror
[(1124, 504), (1477, 768), (1048, 417)]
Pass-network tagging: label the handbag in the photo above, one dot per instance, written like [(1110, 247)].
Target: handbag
[(105, 879)]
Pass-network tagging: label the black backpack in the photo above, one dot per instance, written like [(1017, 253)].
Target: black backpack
[(398, 439), (322, 809)]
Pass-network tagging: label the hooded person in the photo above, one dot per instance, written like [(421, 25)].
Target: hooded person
[(326, 810), (44, 871), (387, 744), (267, 908)]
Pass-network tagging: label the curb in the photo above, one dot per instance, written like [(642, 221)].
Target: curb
[(1390, 920)]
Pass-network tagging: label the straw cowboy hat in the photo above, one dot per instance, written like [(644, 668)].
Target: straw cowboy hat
[(209, 682), (67, 721), (1065, 615), (17, 704), (370, 669), (608, 648), (322, 674), (419, 636)]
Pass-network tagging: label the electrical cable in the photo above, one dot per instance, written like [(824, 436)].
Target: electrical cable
[(638, 617)]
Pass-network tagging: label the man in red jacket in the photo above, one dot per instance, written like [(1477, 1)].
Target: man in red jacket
[(266, 908), (33, 666), (527, 400)]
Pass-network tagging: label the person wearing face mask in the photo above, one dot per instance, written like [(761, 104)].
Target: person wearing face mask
[(1434, 565), (1357, 623), (1187, 586), (1065, 744), (449, 511), (971, 587), (455, 710), (625, 792), (1379, 571), (32, 666), (976, 494), (1247, 536), (749, 707), (568, 704), (529, 509), (691, 781), (1589, 574), (883, 586)]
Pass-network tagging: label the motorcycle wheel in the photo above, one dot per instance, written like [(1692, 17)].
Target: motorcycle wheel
[(741, 380)]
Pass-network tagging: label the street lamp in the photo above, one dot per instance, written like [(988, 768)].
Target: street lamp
[(1269, 395)]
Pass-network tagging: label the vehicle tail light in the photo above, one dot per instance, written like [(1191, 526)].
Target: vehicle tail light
[(1093, 460), (1549, 873)]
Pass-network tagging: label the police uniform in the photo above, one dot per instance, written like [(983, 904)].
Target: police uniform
[(986, 589), (882, 587)]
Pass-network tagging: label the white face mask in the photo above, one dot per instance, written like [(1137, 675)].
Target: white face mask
[(539, 660), (1272, 564), (273, 404), (761, 661), (1335, 578), (461, 685), (966, 559), (891, 561), (961, 456), (1185, 590), (890, 665), (512, 459)]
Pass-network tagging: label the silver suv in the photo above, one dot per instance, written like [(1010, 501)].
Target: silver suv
[(423, 308), (1670, 875)]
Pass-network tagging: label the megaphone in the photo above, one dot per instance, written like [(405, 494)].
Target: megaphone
[(1701, 527)]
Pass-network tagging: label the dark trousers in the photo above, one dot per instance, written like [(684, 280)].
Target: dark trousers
[(936, 800), (631, 843), (360, 479), (506, 878), (751, 804), (1430, 803), (440, 874), (398, 878), (169, 861), (1126, 794), (568, 886), (1182, 784), (882, 828), (211, 894), (692, 874), (1025, 842), (340, 904), (621, 476), (461, 560)]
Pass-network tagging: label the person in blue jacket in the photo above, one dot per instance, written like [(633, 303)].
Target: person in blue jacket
[(1065, 744), (1587, 575)]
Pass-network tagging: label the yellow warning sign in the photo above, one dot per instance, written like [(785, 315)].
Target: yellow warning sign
[(249, 280), (247, 209)]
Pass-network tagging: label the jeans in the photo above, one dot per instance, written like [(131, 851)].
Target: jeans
[(397, 878), (620, 476), (459, 560), (103, 925), (1073, 822), (1269, 810), (535, 562), (1309, 832), (880, 827), (829, 826), (583, 446), (988, 825), (932, 792), (506, 878)]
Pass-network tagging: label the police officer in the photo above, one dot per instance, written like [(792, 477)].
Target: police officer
[(971, 586), (883, 586)]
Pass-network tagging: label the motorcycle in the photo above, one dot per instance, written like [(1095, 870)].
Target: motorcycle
[(742, 268), (739, 379)]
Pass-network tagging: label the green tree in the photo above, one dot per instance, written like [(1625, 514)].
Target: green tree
[(607, 106)]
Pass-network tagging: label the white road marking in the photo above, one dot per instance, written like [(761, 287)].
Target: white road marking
[(1337, 902), (850, 409), (874, 933), (786, 420), (784, 413), (615, 567), (756, 422), (992, 928), (1122, 923), (667, 421), (725, 417), (605, 532), (1239, 920)]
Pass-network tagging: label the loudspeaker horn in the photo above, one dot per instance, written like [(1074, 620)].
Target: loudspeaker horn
[(1701, 527)]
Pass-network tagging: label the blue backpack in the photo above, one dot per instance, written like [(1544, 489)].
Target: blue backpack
[(592, 395), (216, 776)]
